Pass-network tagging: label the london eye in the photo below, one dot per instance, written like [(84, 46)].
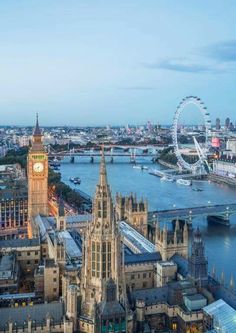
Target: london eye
[(201, 150)]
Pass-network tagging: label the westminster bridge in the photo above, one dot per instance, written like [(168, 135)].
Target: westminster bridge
[(220, 214)]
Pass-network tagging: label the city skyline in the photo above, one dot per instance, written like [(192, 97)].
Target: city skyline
[(102, 63)]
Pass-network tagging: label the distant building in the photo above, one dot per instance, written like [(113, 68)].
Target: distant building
[(24, 141), (217, 124), (227, 123), (225, 168), (231, 145)]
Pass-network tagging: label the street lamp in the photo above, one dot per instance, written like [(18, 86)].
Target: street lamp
[(190, 216)]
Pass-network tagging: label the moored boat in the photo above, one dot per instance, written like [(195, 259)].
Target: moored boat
[(184, 182), (222, 220), (167, 179), (76, 181)]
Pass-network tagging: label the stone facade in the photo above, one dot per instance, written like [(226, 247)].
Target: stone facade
[(37, 170), (102, 256), (198, 265), (169, 243), (133, 211)]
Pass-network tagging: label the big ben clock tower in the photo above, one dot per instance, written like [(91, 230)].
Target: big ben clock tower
[(37, 177)]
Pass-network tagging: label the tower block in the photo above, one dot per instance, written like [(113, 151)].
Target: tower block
[(37, 171)]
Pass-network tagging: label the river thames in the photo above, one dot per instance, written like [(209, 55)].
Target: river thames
[(220, 242)]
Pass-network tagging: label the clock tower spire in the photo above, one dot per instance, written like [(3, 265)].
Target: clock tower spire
[(37, 169)]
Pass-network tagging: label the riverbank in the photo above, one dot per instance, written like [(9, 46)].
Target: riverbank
[(220, 179), (168, 165)]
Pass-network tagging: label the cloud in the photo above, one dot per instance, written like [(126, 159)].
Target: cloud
[(222, 51), (216, 58), (180, 65)]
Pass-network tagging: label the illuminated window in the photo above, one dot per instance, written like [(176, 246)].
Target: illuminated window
[(174, 326)]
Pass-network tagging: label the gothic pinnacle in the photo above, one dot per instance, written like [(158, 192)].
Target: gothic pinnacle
[(103, 172), (37, 130)]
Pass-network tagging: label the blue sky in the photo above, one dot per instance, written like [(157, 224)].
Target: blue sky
[(96, 62)]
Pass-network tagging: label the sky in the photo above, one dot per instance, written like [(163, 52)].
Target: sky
[(100, 62)]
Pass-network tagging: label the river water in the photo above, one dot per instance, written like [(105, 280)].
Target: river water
[(220, 242)]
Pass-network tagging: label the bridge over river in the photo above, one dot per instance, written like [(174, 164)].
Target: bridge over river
[(223, 212), (110, 151)]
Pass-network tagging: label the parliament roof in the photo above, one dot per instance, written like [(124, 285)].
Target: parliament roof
[(37, 312)]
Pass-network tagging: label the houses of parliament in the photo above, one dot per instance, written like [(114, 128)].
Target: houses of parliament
[(99, 273)]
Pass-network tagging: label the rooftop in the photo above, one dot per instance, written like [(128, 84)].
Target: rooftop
[(71, 246), (140, 258), (224, 317), (151, 296), (15, 243), (37, 312), (78, 218), (167, 263), (182, 264), (132, 236), (6, 266)]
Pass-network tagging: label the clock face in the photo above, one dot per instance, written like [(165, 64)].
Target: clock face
[(38, 167)]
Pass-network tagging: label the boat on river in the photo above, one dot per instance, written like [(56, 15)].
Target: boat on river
[(184, 182), (156, 172), (137, 167), (75, 180), (167, 179)]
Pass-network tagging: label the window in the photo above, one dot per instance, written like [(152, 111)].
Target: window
[(54, 290), (144, 284), (104, 209), (55, 280), (99, 209), (144, 275), (93, 259), (132, 276), (98, 260), (36, 252), (28, 253), (174, 326), (106, 259)]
